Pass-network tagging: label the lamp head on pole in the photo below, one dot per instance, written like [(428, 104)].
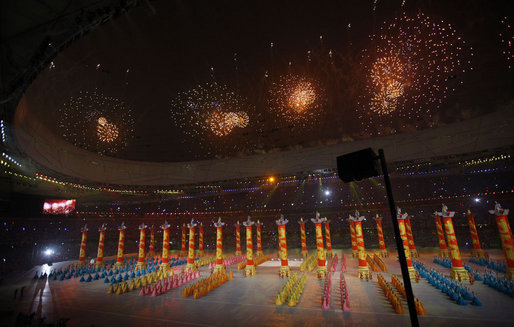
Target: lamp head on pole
[(102, 228)]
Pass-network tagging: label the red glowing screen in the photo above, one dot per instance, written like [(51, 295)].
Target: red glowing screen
[(59, 207)]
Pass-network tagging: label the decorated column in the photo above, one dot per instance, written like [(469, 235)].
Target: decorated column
[(100, 255), (120, 261), (443, 251), (303, 238), (141, 263), (320, 248), (250, 267), (183, 251), (220, 267), (410, 238), (151, 250), (363, 271), (355, 250), (238, 238), (282, 247), (405, 240), (457, 270), (329, 252), (381, 243), (201, 252), (477, 249), (506, 237), (258, 225), (82, 253), (165, 265), (191, 254)]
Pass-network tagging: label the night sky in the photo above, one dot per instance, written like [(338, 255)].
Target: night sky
[(146, 59)]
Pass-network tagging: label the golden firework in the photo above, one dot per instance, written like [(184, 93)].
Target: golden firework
[(302, 96), (297, 99), (107, 132)]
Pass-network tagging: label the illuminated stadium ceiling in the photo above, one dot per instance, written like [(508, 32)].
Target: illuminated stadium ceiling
[(194, 82)]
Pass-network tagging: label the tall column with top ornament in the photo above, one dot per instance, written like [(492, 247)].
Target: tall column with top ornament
[(120, 259), (250, 267), (258, 225), (303, 238), (410, 237), (320, 247), (443, 251), (405, 240), (363, 271), (457, 271), (141, 263), (477, 251), (506, 237), (165, 265), (355, 250), (201, 252), (282, 247), (381, 243), (151, 250), (190, 267), (220, 267), (238, 238), (82, 252), (100, 254), (329, 252), (183, 251)]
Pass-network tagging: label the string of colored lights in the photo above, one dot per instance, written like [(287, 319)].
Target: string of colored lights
[(11, 159)]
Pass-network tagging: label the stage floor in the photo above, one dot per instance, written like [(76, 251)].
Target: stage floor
[(251, 301)]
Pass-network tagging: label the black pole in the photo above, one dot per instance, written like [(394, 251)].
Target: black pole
[(399, 244)]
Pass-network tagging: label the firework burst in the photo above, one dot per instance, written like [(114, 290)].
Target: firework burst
[(96, 122), (213, 118), (507, 38), (413, 64), (296, 99)]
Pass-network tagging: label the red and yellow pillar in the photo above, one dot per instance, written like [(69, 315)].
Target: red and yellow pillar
[(320, 248), (282, 247), (201, 252), (303, 238), (443, 251), (191, 253), (412, 247), (250, 267), (329, 253), (82, 252), (238, 238), (183, 251), (165, 265), (477, 249), (506, 238), (220, 267), (120, 260), (380, 232), (355, 250), (258, 225), (100, 254), (405, 240), (363, 271), (151, 250), (141, 263), (457, 270)]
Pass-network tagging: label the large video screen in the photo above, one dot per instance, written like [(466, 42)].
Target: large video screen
[(59, 207)]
